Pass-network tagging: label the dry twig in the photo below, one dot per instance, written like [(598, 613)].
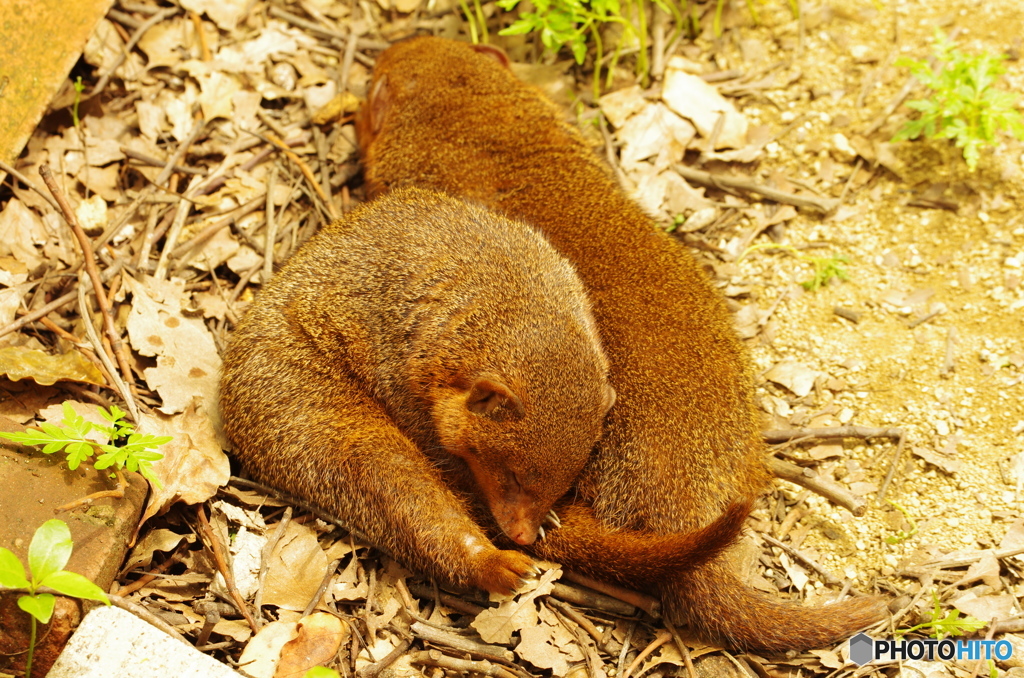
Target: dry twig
[(306, 172), (484, 667), (648, 604), (824, 205), (229, 578), (817, 484), (662, 638), (117, 346), (805, 559)]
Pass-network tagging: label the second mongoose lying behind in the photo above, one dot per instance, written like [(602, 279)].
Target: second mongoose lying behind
[(683, 440)]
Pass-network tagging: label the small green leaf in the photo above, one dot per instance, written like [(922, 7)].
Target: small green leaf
[(55, 432), (29, 437), (320, 672), (12, 572), (77, 453), (72, 584), (39, 606), (146, 469), (55, 446), (50, 549)]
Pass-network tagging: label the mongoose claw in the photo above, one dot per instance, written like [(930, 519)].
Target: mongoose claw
[(553, 519)]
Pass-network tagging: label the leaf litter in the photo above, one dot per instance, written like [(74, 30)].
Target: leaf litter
[(169, 172)]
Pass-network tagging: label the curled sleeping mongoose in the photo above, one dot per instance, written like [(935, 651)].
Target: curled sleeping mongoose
[(430, 373), (682, 444)]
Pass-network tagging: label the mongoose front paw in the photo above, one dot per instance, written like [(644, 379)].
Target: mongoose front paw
[(503, 571)]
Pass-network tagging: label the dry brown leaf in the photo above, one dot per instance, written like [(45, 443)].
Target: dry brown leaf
[(340, 105), (10, 299), (681, 197), (828, 659), (536, 647), (820, 452), (618, 106), (317, 640), (236, 629), (863, 488), (187, 362), (294, 569), (694, 99), (796, 377), (796, 573), (225, 13), (945, 462), (548, 644), (655, 129), (246, 556), (141, 555), (23, 363), (165, 44), (497, 624), (991, 607), (986, 570), (102, 180), (217, 90), (20, 231), (261, 655), (194, 463), (748, 321)]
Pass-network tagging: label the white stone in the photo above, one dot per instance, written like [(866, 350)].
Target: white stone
[(112, 642)]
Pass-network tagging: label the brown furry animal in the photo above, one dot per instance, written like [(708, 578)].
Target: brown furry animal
[(418, 358), (682, 442)]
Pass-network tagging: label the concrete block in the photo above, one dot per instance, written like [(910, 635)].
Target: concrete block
[(112, 642)]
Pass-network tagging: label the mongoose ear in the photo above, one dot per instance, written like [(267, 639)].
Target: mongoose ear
[(379, 102), (486, 396), (609, 398), (493, 52)]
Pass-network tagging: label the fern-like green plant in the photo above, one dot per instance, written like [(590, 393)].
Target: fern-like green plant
[(950, 625), (825, 268), (568, 23), (966, 105), (125, 449)]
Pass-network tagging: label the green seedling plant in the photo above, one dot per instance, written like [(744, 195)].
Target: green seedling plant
[(825, 268), (901, 535), (950, 625), (568, 23), (321, 672), (48, 553), (966, 104), (124, 449), (79, 88)]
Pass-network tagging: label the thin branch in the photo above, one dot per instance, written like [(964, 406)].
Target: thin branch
[(805, 559), (57, 303), (23, 179), (817, 484), (306, 172), (229, 578), (824, 205), (117, 346)]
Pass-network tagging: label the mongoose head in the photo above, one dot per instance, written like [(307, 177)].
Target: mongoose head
[(525, 444)]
